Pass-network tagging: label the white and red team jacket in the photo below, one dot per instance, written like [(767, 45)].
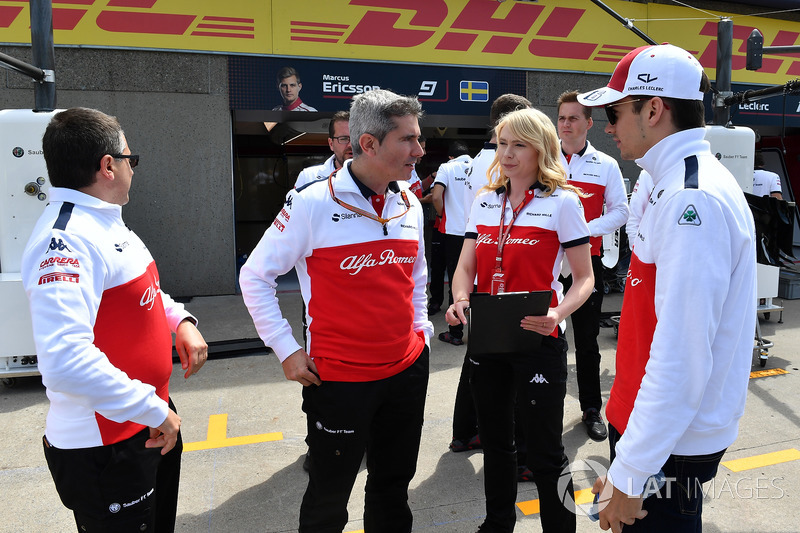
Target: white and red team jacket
[(364, 290), (598, 174), (477, 176), (688, 316), (101, 324), (535, 247), (452, 175), (316, 172)]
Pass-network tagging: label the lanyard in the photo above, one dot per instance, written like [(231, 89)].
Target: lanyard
[(503, 236), (354, 209)]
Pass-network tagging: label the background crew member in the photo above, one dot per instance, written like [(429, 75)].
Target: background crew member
[(355, 240), (530, 217), (598, 175), (289, 86), (339, 143), (102, 328), (688, 314), (448, 200), (765, 183)]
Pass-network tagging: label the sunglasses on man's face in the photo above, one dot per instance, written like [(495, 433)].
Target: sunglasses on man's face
[(132, 158), (611, 113)]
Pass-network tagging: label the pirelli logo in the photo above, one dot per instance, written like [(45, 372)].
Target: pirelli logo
[(59, 276)]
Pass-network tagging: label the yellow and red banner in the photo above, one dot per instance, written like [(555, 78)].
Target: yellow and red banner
[(564, 35), (233, 26)]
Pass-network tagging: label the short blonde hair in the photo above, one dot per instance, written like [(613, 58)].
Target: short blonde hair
[(536, 129)]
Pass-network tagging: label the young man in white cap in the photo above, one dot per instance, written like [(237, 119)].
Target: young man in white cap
[(688, 315)]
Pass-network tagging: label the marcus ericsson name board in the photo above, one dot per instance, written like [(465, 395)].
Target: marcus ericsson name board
[(339, 85)]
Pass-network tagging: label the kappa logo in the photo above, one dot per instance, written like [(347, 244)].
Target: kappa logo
[(690, 217), (538, 378), (121, 246), (58, 245), (646, 78)]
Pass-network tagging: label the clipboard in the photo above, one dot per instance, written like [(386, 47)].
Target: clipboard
[(493, 323)]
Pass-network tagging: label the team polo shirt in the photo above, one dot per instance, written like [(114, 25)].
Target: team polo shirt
[(353, 276), (598, 175), (453, 177), (532, 255), (477, 175), (765, 182)]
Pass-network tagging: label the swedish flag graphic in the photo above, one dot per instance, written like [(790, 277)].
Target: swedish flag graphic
[(474, 91)]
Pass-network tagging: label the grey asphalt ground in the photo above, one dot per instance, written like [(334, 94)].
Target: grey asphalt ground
[(257, 487)]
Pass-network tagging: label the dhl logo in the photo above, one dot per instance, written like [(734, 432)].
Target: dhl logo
[(132, 17), (510, 32)]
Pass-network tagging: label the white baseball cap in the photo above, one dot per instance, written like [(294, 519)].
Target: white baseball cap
[(661, 70)]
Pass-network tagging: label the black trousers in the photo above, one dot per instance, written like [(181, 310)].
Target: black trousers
[(119, 488), (438, 267), (452, 251), (537, 382), (585, 329), (345, 419)]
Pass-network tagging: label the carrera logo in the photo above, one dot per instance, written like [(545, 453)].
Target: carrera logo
[(60, 261), (387, 257), (59, 276)]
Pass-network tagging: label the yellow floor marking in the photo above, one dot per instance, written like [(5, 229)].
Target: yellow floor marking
[(217, 436), (532, 506), (757, 461), (767, 373)]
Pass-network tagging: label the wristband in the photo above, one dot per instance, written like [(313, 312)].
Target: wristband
[(462, 300)]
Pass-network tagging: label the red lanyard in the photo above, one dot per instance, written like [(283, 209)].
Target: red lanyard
[(367, 214), (503, 236)]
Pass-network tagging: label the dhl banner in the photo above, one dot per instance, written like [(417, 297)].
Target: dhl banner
[(566, 35)]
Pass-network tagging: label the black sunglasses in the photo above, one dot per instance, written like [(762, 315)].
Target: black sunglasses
[(612, 113), (132, 158)]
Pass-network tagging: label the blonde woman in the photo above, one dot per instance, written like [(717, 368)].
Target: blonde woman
[(520, 228)]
